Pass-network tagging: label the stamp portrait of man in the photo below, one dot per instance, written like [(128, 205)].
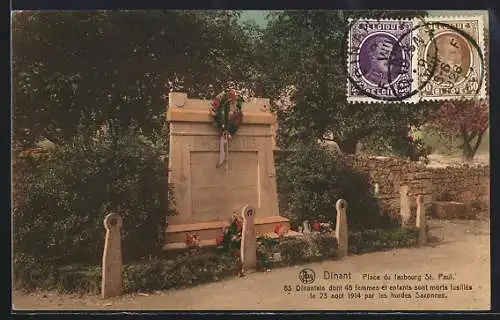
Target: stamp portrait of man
[(375, 57), (453, 58)]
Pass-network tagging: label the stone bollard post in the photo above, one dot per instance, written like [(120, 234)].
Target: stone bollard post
[(341, 228), (306, 227), (112, 266), (421, 222), (248, 248), (376, 190), (405, 210)]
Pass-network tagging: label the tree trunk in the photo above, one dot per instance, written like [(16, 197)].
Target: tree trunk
[(467, 151), (348, 146), (467, 154), (469, 148)]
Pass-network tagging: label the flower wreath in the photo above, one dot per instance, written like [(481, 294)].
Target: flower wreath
[(227, 112), (227, 116)]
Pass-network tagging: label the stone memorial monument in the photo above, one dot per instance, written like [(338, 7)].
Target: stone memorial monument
[(206, 194)]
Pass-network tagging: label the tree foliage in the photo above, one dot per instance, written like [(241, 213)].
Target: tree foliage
[(72, 67), (303, 70), (66, 193), (312, 178), (467, 119)]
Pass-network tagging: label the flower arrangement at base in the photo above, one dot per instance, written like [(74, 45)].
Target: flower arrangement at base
[(192, 240), (230, 239), (322, 227), (279, 229), (227, 115)]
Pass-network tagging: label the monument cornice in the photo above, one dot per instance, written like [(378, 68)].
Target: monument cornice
[(197, 115)]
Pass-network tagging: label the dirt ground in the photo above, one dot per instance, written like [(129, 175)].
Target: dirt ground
[(441, 161), (462, 251)]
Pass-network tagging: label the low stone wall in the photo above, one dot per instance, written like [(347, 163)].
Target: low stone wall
[(466, 184)]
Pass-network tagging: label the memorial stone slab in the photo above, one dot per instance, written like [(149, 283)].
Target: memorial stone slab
[(207, 195)]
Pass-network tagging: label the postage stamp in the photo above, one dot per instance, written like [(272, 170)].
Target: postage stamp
[(454, 48), (437, 58), (379, 60)]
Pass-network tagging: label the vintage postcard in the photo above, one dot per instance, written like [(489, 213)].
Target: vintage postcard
[(250, 160)]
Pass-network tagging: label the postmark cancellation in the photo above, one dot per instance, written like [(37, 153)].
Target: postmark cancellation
[(378, 60), (412, 60)]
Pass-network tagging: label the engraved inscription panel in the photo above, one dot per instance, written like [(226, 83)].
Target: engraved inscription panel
[(242, 143), (217, 192), (243, 179)]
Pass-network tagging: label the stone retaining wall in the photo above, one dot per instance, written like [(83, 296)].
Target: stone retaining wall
[(464, 183)]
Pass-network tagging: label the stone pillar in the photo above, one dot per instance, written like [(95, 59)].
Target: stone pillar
[(112, 266), (306, 227), (420, 221), (341, 228), (248, 249), (405, 210)]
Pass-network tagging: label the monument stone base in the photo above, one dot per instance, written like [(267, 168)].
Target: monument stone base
[(208, 231)]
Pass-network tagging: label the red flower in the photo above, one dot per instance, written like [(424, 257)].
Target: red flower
[(410, 138), (316, 226), (232, 94), (188, 239), (215, 103), (219, 240), (278, 229), (239, 225)]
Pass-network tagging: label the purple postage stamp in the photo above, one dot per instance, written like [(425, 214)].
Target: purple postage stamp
[(379, 60)]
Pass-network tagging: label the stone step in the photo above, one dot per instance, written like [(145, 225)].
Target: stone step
[(449, 210), (208, 231)]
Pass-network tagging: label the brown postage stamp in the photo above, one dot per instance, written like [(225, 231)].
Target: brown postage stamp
[(452, 49)]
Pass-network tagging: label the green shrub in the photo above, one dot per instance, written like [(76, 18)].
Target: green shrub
[(146, 275), (310, 181), (295, 250), (67, 193), (326, 244), (381, 239), (31, 273), (266, 248)]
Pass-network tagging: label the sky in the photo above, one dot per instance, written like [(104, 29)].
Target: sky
[(260, 16)]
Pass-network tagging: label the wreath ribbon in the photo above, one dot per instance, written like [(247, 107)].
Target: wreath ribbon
[(227, 116), (223, 148)]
